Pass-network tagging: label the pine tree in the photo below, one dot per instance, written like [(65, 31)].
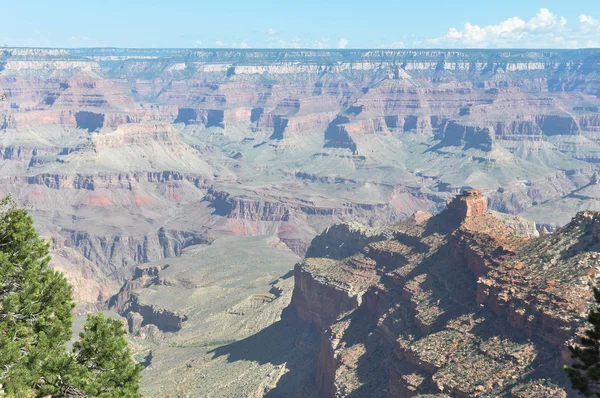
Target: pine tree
[(585, 371), (35, 305), (102, 351), (35, 325)]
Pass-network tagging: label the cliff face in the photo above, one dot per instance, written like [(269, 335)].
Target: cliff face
[(128, 155), (465, 303), (85, 88), (143, 318), (119, 254)]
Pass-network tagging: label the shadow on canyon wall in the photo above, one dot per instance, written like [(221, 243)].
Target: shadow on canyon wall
[(285, 343)]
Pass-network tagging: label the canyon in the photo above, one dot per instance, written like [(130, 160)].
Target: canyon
[(178, 188), (469, 302), (466, 303)]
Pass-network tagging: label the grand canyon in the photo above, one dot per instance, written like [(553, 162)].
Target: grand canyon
[(318, 223)]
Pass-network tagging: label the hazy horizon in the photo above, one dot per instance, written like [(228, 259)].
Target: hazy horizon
[(309, 25)]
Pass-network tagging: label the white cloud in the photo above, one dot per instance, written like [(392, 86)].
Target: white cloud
[(271, 31), (321, 43), (81, 41), (244, 44), (219, 43), (276, 42), (394, 45), (543, 19), (587, 19), (342, 43), (198, 42), (544, 30)]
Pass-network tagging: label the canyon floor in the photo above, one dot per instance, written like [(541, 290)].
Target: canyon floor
[(179, 187), (209, 321)]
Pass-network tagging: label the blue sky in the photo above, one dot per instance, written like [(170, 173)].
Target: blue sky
[(305, 24)]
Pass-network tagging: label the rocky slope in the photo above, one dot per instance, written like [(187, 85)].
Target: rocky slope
[(127, 156), (466, 303), (208, 322)]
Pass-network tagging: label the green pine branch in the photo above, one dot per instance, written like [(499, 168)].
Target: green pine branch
[(36, 306), (584, 373)]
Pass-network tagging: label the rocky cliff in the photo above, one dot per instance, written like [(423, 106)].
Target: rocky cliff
[(133, 156), (128, 155), (464, 303)]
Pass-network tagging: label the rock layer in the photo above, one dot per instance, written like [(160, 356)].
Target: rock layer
[(128, 155), (461, 303)]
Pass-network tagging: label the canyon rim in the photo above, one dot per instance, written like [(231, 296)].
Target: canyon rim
[(413, 222)]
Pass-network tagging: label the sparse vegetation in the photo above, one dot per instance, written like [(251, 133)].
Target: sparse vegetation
[(584, 373), (35, 325), (211, 343)]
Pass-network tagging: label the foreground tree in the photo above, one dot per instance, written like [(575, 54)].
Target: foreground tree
[(35, 305), (35, 325), (103, 354), (585, 371)]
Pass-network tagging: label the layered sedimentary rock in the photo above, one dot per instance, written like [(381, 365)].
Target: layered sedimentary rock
[(135, 156), (119, 254), (464, 303), (143, 314), (213, 314), (109, 147)]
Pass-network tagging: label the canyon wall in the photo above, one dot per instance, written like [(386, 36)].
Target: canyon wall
[(129, 155), (465, 303)]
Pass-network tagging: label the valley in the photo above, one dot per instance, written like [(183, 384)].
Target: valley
[(179, 188)]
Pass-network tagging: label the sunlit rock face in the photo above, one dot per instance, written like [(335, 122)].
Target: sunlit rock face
[(466, 303), (129, 156)]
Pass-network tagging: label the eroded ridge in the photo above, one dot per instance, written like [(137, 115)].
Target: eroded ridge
[(465, 303)]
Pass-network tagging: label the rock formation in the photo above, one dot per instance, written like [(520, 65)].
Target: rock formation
[(130, 157), (461, 303), (190, 313)]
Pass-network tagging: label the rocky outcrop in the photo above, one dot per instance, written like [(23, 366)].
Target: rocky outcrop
[(518, 130), (466, 302), (470, 204), (455, 134), (337, 135), (554, 125), (209, 117), (524, 227), (115, 181), (244, 208), (117, 255), (342, 240), (317, 300), (139, 315), (137, 134), (91, 287), (142, 277), (537, 303)]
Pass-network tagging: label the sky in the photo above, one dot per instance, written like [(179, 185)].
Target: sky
[(301, 24)]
